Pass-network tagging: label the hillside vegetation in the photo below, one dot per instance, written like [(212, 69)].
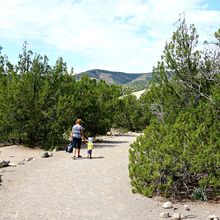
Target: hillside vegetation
[(113, 77)]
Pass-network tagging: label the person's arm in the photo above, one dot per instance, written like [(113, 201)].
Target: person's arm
[(83, 135), (71, 135)]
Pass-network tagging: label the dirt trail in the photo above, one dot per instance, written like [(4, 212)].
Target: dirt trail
[(63, 188)]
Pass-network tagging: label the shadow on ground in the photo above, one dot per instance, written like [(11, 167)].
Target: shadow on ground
[(81, 158), (107, 143)]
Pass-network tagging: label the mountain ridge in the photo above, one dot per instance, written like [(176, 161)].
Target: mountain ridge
[(116, 77)]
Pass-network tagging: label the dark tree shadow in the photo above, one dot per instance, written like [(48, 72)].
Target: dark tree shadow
[(127, 135), (109, 144), (82, 158), (112, 142)]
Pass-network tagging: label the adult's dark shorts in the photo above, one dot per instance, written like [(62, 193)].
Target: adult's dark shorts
[(76, 142)]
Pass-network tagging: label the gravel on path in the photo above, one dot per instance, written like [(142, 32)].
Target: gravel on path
[(62, 188)]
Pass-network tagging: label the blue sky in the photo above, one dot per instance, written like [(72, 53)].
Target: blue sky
[(116, 35)]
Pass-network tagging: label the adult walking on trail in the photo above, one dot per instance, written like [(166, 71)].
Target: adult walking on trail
[(76, 137)]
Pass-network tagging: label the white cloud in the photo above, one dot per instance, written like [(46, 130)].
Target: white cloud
[(124, 35)]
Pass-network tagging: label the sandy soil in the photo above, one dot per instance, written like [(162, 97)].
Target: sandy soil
[(62, 188), (139, 93)]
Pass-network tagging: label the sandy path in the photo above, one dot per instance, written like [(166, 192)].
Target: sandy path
[(62, 188)]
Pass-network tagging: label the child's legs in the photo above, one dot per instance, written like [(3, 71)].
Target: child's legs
[(89, 153)]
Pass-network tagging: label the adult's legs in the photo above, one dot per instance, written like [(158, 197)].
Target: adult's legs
[(74, 143), (78, 151), (74, 152), (79, 141)]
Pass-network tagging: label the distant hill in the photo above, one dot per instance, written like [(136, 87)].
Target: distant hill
[(113, 77)]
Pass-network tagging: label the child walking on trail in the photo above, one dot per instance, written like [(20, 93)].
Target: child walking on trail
[(90, 147)]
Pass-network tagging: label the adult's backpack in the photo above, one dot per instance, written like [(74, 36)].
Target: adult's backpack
[(69, 148)]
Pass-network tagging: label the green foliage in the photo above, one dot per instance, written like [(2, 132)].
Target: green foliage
[(134, 87), (40, 103), (128, 114), (171, 159), (178, 154), (199, 194)]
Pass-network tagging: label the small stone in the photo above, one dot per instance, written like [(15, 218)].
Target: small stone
[(29, 159), (4, 163), (182, 216), (45, 154), (109, 133), (21, 163), (12, 164), (167, 205), (186, 208), (211, 217), (216, 218), (164, 215), (176, 216)]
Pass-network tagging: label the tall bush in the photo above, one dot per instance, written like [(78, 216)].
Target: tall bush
[(39, 103), (179, 150)]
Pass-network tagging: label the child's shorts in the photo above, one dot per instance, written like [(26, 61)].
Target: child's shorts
[(89, 151)]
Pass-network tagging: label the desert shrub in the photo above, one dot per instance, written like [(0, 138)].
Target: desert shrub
[(171, 160), (199, 194), (39, 103), (179, 150)]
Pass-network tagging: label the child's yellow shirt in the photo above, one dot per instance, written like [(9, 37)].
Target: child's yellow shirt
[(90, 146)]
